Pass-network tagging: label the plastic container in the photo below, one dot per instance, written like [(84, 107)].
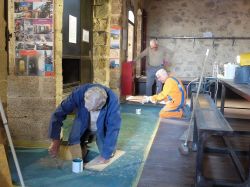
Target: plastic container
[(242, 75), (245, 59), (229, 71)]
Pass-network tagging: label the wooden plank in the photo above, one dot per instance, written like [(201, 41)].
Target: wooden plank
[(3, 139), (211, 120), (99, 167), (203, 102), (208, 117), (165, 166), (138, 99), (242, 89), (5, 177)]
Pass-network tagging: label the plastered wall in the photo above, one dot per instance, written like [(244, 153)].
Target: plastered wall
[(193, 18)]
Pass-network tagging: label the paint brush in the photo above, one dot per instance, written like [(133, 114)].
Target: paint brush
[(53, 162), (59, 162)]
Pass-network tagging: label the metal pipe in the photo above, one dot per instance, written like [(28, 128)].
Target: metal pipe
[(6, 127), (202, 38), (196, 97)]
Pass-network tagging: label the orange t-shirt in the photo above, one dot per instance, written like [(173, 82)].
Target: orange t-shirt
[(171, 89)]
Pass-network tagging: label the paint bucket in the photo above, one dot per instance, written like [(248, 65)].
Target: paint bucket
[(138, 111), (77, 165)]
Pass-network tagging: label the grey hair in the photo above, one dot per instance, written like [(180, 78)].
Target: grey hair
[(95, 97), (161, 72)]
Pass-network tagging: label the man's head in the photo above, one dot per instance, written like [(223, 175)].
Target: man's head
[(153, 44), (161, 75), (95, 98)]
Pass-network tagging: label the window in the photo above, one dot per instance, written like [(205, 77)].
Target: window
[(130, 50)]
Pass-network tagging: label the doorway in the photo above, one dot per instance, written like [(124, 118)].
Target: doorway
[(77, 43), (130, 51)]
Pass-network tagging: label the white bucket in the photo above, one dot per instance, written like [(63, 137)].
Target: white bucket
[(229, 71), (77, 165)]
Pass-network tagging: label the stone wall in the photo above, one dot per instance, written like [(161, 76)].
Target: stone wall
[(193, 18), (3, 69), (32, 99), (116, 20), (3, 56), (107, 13), (101, 28)]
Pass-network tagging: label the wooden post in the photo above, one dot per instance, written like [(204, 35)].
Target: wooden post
[(5, 178)]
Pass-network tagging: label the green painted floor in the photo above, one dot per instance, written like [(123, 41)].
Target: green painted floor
[(135, 137)]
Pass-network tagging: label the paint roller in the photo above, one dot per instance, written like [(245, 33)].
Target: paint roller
[(6, 127), (184, 150)]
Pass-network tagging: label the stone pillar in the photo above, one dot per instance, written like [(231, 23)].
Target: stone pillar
[(101, 28), (32, 99), (3, 56), (58, 22), (3, 69), (116, 21)]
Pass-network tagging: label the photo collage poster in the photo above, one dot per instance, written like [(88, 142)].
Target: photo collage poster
[(34, 37), (115, 35)]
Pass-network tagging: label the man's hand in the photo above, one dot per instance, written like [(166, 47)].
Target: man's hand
[(151, 100), (147, 99), (54, 148)]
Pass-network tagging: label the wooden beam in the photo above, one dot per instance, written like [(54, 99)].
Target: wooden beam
[(5, 177)]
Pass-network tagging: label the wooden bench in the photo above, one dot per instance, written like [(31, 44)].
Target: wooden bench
[(209, 121)]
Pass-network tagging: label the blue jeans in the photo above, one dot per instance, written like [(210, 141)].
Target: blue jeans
[(151, 78), (90, 136)]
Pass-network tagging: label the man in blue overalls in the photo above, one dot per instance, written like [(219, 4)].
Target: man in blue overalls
[(97, 113)]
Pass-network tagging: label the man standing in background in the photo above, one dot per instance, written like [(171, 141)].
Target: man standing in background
[(156, 57)]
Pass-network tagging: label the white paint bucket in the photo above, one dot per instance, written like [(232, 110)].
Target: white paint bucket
[(229, 71), (138, 111), (77, 165)]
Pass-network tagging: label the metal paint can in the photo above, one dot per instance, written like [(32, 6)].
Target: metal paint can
[(77, 165)]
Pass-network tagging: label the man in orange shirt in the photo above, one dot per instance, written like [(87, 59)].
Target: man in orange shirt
[(173, 94)]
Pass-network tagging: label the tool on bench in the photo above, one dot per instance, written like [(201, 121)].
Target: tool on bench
[(184, 149)]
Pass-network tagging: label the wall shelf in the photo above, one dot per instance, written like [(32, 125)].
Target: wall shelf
[(233, 38)]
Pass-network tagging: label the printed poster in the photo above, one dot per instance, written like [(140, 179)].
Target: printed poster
[(85, 35), (115, 35), (72, 29), (34, 40)]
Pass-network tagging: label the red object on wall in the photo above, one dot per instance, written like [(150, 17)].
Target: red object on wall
[(127, 78)]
